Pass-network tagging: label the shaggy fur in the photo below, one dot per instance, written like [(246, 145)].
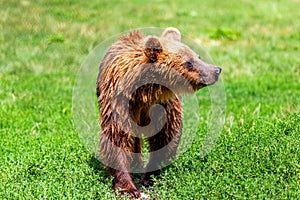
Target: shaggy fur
[(129, 90)]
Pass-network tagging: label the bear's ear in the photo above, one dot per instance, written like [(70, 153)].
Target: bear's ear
[(172, 33), (152, 48)]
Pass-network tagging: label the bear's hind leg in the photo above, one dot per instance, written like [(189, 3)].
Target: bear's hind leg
[(136, 162), (163, 145), (161, 153)]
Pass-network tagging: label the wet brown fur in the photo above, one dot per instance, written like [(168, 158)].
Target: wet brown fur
[(115, 77)]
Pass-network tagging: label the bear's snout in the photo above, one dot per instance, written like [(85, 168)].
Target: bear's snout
[(208, 76), (218, 70)]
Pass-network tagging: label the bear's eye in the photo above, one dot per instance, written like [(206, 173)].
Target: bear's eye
[(189, 64), (199, 57)]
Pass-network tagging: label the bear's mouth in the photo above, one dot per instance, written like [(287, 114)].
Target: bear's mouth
[(210, 79), (205, 82)]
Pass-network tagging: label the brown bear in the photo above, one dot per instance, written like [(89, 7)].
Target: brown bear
[(140, 84)]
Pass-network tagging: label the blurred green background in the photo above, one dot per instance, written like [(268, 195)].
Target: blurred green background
[(43, 43)]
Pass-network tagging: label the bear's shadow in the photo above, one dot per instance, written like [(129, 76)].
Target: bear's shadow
[(100, 169)]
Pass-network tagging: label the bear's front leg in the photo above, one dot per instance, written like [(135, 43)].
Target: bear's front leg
[(116, 153), (123, 182)]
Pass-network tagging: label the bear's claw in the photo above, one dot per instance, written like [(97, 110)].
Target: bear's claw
[(130, 190)]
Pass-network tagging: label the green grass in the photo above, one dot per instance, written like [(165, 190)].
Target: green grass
[(257, 43)]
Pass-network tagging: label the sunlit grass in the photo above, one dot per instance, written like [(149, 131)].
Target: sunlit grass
[(43, 43)]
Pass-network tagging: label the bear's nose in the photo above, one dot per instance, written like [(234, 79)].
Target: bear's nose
[(218, 70)]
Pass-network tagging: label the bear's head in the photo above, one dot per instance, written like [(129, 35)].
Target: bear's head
[(168, 50)]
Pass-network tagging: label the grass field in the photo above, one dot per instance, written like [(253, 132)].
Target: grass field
[(257, 43)]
